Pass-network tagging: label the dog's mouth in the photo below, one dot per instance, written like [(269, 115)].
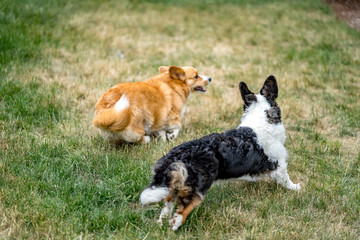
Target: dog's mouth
[(199, 89)]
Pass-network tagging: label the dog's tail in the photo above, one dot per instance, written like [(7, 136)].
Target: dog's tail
[(115, 118), (153, 194), (177, 176)]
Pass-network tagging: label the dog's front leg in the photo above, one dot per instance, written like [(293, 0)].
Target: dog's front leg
[(161, 135), (166, 211), (173, 132), (281, 176)]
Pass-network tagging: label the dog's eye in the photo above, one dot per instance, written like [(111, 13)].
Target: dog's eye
[(196, 76)]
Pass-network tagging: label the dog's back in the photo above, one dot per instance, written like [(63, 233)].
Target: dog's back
[(241, 154), (146, 99), (216, 156)]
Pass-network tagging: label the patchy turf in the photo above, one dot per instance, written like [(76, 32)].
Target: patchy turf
[(59, 179)]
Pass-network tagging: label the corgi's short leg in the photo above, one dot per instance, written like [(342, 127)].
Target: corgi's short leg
[(173, 132), (161, 135), (145, 139), (132, 135)]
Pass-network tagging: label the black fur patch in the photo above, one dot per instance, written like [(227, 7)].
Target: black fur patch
[(270, 88), (232, 154), (273, 115), (247, 95)]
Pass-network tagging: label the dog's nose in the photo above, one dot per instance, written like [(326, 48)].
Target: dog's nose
[(206, 78)]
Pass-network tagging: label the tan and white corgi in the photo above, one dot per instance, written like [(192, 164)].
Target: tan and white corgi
[(131, 112)]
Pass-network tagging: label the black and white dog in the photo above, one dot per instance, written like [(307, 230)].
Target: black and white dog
[(252, 151)]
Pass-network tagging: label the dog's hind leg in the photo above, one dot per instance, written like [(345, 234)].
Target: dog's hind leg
[(172, 134), (167, 209), (135, 135), (281, 176), (173, 130), (160, 135), (185, 206)]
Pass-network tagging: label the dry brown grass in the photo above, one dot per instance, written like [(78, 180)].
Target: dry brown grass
[(59, 179)]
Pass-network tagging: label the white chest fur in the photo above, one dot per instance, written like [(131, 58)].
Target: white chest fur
[(270, 136)]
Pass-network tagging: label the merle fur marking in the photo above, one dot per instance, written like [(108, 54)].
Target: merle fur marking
[(217, 156)]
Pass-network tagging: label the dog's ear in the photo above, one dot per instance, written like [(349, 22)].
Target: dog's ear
[(163, 69), (270, 88), (177, 73), (247, 95)]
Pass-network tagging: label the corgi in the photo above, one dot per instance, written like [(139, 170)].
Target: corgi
[(251, 152), (132, 112)]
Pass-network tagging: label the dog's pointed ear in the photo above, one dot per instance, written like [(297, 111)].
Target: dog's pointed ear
[(163, 69), (270, 88), (247, 95), (177, 73)]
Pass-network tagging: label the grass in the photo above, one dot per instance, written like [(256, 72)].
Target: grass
[(60, 180)]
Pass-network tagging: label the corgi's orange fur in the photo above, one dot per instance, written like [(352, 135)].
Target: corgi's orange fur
[(131, 112)]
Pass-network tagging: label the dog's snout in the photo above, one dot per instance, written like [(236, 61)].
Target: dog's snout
[(206, 78)]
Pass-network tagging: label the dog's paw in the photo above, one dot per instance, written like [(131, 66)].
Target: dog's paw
[(176, 221), (295, 187), (170, 135), (147, 139), (159, 221)]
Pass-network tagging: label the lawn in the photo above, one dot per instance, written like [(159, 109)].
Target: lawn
[(60, 180)]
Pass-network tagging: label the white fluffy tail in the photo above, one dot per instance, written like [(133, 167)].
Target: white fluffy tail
[(115, 118), (122, 103), (153, 194)]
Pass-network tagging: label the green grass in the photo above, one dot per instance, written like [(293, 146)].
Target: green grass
[(59, 179)]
